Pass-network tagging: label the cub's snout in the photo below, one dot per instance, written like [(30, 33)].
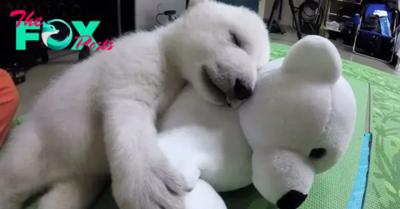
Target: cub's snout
[(241, 90), (227, 83)]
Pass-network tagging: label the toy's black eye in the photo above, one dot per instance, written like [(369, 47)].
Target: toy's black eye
[(317, 153), (236, 40)]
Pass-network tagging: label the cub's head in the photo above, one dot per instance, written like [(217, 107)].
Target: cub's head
[(218, 49)]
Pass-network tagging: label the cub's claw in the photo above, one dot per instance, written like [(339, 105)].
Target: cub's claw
[(157, 186)]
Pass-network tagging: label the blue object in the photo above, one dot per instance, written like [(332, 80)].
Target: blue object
[(372, 7), (360, 183), (376, 44), (385, 31), (357, 19), (384, 26)]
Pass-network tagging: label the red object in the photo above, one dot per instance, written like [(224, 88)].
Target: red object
[(9, 101)]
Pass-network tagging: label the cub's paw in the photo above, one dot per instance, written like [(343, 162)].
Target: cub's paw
[(159, 186)]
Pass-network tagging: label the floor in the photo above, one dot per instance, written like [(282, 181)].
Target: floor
[(40, 76)]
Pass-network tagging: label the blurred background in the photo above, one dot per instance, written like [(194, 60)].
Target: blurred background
[(352, 25)]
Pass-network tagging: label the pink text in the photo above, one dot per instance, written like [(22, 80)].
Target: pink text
[(93, 45), (28, 20)]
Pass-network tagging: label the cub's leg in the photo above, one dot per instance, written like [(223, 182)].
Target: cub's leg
[(21, 168), (142, 177), (77, 193)]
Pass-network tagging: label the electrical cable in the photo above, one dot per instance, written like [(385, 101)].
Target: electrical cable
[(171, 14), (158, 15), (158, 8)]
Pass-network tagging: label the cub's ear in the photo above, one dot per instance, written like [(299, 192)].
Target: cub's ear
[(195, 2), (314, 58)]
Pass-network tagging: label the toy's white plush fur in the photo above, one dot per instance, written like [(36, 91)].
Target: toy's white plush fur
[(99, 117), (301, 104)]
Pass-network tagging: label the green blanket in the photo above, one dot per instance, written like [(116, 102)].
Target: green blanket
[(332, 190)]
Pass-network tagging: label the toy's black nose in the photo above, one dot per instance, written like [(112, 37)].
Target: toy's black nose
[(241, 90), (291, 200)]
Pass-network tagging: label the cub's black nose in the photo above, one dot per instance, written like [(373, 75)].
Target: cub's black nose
[(241, 90), (291, 200)]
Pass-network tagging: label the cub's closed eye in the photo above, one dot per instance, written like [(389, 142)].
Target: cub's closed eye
[(317, 153), (236, 40)]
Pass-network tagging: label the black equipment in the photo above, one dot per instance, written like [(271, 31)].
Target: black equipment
[(273, 24)]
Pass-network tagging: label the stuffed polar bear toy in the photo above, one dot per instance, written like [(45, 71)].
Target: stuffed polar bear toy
[(298, 123)]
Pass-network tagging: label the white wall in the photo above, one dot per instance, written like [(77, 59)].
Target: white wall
[(146, 11), (286, 13)]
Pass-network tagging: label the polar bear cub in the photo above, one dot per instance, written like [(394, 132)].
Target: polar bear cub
[(99, 118)]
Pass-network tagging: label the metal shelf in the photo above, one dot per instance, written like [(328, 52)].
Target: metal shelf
[(345, 16), (350, 2)]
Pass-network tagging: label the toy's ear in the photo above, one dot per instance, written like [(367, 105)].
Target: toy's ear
[(195, 2), (315, 58)]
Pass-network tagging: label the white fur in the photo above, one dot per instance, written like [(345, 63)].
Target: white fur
[(99, 117), (301, 103)]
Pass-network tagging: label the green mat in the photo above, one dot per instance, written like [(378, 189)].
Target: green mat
[(332, 189), (383, 188)]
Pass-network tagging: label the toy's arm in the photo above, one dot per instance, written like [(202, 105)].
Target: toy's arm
[(204, 196), (180, 154)]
